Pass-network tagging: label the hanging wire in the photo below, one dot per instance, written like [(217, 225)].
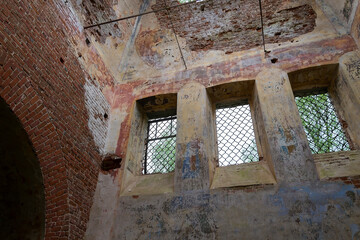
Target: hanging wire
[(175, 6), (262, 27), (142, 14), (173, 29)]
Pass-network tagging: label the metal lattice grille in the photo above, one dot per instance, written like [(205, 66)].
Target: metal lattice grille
[(235, 134), (160, 146), (321, 124)]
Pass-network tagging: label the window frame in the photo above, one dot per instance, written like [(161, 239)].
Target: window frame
[(147, 140)]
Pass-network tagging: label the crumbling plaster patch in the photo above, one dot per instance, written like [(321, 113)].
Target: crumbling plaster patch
[(232, 26), (98, 109), (160, 56), (95, 11), (340, 12), (320, 211), (168, 52), (109, 41), (118, 116)]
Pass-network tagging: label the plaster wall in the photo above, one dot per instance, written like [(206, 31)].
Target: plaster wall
[(300, 204), (340, 12), (322, 211), (155, 66)]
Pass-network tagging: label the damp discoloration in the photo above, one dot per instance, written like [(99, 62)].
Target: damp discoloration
[(159, 105), (153, 48), (194, 139), (223, 32), (191, 162), (311, 211)]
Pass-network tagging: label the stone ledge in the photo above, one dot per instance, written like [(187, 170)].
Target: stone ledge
[(243, 175), (150, 185), (338, 164)]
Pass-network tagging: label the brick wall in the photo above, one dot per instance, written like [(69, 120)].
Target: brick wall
[(353, 180), (43, 82)]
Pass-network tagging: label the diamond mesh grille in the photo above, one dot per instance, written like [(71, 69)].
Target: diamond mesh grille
[(321, 124), (235, 134), (160, 146)]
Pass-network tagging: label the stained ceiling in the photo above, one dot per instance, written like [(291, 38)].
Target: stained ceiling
[(206, 31)]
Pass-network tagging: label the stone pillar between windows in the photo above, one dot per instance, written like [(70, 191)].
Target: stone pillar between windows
[(287, 148), (195, 140), (346, 90), (132, 166)]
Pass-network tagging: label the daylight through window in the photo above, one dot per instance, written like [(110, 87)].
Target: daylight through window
[(322, 127), (235, 134), (160, 146)]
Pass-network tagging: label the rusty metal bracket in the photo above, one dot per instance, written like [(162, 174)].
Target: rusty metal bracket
[(111, 162)]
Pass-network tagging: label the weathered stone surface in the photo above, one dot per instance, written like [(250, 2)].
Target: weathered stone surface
[(53, 74), (329, 210), (347, 94), (249, 174), (148, 48), (355, 29), (105, 199), (195, 155), (288, 149), (340, 12), (338, 164)]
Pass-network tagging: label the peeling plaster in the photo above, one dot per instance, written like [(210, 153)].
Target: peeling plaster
[(98, 108)]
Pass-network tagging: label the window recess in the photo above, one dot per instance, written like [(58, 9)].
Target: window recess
[(235, 134), (321, 124)]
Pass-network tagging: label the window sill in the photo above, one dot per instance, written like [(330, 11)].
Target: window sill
[(338, 164), (243, 175), (149, 185)]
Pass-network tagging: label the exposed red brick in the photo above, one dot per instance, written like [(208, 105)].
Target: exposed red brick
[(235, 25), (48, 98), (353, 180)]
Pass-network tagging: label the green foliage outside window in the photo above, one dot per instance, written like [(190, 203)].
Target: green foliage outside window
[(160, 146), (321, 124), (164, 155)]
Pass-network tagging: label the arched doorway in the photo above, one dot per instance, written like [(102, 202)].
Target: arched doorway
[(22, 199)]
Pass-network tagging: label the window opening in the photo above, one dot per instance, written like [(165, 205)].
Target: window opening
[(160, 146), (321, 124), (235, 134)]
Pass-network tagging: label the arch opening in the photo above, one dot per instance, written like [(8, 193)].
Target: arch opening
[(22, 198)]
